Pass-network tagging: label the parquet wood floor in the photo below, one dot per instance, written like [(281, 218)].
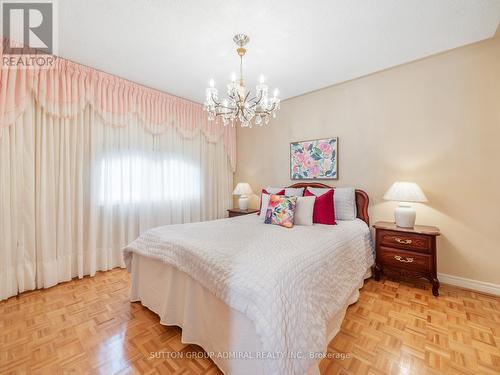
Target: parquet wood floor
[(88, 326)]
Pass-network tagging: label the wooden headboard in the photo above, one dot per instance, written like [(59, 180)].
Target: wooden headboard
[(362, 199)]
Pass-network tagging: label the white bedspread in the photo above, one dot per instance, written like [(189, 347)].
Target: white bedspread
[(289, 282)]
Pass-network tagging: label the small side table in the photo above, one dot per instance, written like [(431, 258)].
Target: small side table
[(233, 212), (408, 251)]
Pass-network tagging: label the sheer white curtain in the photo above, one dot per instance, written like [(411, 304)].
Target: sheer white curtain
[(74, 192)]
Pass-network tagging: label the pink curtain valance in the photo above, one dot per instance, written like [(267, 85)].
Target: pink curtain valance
[(66, 88)]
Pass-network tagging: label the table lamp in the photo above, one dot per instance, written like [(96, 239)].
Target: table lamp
[(243, 190), (404, 192)]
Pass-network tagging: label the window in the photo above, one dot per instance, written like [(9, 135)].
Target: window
[(136, 179)]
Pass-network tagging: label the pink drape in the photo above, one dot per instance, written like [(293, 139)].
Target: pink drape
[(66, 88)]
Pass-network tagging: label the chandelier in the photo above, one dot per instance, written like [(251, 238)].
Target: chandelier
[(239, 106)]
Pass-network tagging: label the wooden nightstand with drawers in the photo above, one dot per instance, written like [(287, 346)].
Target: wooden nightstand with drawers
[(408, 251), (233, 212)]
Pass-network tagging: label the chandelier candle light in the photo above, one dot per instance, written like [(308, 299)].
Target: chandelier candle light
[(239, 106)]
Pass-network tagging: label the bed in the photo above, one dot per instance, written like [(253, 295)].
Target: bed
[(260, 299)]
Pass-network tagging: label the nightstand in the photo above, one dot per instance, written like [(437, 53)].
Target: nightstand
[(233, 212), (408, 251)]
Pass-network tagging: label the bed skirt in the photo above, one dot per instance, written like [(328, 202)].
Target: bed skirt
[(227, 335)]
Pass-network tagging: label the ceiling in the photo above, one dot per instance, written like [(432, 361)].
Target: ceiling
[(177, 45)]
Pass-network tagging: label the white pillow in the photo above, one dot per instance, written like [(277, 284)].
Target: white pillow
[(294, 192), (304, 211), (345, 203), (289, 192), (273, 190), (318, 191), (263, 208), (344, 200)]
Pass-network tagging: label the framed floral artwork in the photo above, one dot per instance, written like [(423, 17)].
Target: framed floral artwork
[(314, 160)]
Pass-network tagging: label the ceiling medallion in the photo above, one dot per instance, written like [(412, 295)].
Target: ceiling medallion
[(239, 106)]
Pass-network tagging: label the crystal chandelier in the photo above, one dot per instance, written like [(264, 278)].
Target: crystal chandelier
[(239, 106)]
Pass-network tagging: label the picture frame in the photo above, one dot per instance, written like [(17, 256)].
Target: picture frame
[(315, 159)]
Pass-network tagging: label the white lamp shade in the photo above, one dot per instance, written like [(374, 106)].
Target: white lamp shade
[(242, 188), (405, 192)]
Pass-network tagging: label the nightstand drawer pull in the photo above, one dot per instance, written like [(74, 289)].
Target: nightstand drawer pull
[(403, 260), (405, 242)]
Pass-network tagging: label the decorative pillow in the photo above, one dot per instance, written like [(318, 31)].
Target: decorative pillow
[(281, 210), (269, 190), (324, 211), (344, 201), (304, 211), (294, 192)]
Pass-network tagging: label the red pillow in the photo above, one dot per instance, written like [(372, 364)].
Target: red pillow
[(324, 211), (264, 191)]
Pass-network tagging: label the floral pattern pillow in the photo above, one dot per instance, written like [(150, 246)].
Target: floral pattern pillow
[(281, 210)]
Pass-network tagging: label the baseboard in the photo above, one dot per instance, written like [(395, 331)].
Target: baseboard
[(480, 286)]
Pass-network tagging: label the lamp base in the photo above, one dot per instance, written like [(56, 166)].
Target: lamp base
[(243, 202), (405, 216)]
